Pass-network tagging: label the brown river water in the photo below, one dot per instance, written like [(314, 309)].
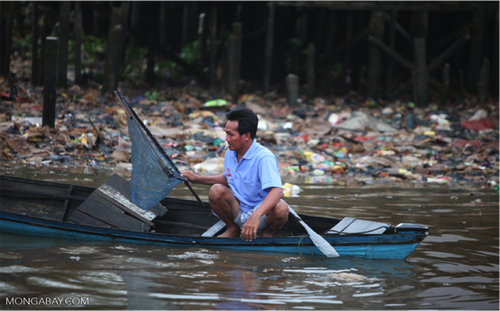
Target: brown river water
[(455, 267)]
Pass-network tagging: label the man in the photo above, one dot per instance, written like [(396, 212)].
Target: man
[(248, 195)]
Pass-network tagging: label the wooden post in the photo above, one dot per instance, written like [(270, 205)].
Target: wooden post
[(134, 23), (495, 59), (49, 88), (34, 43), (43, 35), (292, 87), (96, 23), (269, 48), (421, 71), (390, 61), (476, 50), (239, 8), (310, 71), (78, 43), (6, 21), (319, 32), (150, 69), (375, 55), (113, 55), (237, 31), (185, 24), (213, 38), (203, 33), (415, 87), (62, 66), (162, 31), (461, 81), (329, 44), (231, 68), (301, 27), (483, 85), (419, 23), (346, 70), (115, 19), (125, 9), (446, 84)]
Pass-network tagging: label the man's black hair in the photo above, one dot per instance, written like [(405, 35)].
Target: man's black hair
[(247, 120)]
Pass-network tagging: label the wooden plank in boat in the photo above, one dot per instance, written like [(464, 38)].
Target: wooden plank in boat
[(118, 189), (84, 219), (111, 203), (111, 215)]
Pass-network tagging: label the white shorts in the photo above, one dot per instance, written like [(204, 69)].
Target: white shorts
[(243, 217)]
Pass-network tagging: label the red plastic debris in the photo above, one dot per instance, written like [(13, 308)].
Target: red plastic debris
[(479, 125)]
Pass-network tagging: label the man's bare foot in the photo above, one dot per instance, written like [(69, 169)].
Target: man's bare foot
[(230, 233)]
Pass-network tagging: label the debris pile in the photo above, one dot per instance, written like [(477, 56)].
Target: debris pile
[(338, 138)]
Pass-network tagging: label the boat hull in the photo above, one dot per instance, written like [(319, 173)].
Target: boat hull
[(393, 246)]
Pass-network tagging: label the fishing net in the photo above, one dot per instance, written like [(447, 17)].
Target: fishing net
[(153, 173)]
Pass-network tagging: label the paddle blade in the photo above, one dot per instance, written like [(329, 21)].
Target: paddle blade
[(317, 239)]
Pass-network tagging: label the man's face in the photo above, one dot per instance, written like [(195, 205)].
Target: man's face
[(234, 140)]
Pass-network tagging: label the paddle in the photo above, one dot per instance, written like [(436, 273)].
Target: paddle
[(317, 239)]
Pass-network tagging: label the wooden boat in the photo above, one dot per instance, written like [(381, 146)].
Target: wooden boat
[(42, 208)]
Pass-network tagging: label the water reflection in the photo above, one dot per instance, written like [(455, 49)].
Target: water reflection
[(456, 267)]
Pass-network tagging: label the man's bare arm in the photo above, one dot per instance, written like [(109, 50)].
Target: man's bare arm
[(205, 180)]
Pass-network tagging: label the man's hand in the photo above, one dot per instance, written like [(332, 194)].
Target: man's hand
[(192, 177), (249, 231)]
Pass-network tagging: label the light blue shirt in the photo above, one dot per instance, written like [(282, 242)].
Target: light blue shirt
[(251, 178)]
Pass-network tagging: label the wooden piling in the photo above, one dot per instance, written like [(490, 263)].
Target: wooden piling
[(7, 22), (125, 9), (421, 71), (390, 61), (495, 84), (375, 54), (78, 43), (446, 84), (35, 14), (292, 87), (135, 19), (476, 50), (268, 48), (96, 23), (150, 56), (50, 82), (310, 71), (213, 49), (62, 58), (461, 81), (185, 24), (238, 32), (330, 42), (484, 82), (420, 23), (43, 34), (232, 82), (415, 87), (113, 55), (346, 70), (115, 19), (162, 29)]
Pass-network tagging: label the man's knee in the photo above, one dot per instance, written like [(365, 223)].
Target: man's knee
[(281, 210), (217, 191)]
